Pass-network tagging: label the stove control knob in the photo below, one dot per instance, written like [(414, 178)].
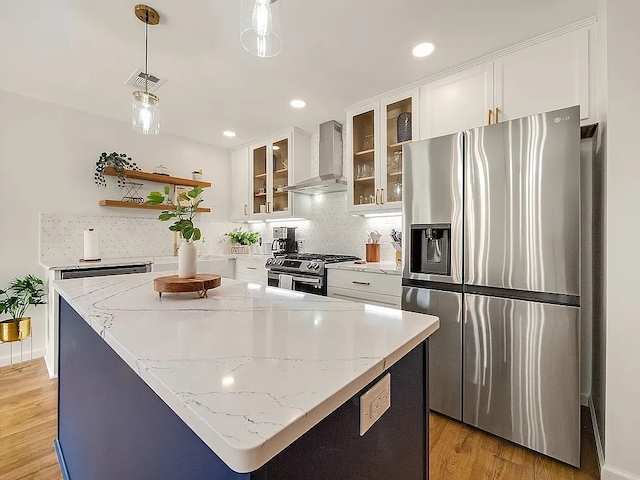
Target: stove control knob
[(269, 261), (316, 266)]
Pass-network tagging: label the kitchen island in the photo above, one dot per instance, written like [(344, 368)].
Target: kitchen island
[(250, 383)]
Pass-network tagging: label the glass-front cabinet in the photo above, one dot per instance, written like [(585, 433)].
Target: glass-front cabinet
[(376, 135), (272, 169)]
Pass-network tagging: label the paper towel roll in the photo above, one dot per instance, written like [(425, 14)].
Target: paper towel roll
[(285, 281), (90, 245)]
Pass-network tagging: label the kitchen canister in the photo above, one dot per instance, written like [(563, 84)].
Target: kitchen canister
[(404, 127), (373, 252)]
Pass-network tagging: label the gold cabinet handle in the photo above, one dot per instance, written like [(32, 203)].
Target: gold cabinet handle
[(490, 115), (382, 196), (246, 207), (252, 268), (268, 207), (497, 115), (377, 197), (360, 283)]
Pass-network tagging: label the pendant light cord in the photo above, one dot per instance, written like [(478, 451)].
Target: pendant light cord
[(146, 54)]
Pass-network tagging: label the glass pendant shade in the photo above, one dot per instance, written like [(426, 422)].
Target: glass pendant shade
[(146, 113), (260, 27)]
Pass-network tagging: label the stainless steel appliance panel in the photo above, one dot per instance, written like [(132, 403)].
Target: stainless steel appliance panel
[(522, 373), (522, 204), (445, 346), (433, 175)]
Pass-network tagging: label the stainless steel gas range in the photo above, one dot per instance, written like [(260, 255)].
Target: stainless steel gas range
[(303, 272)]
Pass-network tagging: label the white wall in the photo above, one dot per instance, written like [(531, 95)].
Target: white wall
[(47, 161), (622, 423)]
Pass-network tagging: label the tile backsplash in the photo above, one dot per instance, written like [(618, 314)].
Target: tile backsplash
[(332, 230), (61, 236)]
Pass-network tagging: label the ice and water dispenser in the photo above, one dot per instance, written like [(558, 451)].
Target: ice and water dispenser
[(431, 249)]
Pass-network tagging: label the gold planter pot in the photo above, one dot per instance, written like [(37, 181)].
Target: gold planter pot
[(14, 330)]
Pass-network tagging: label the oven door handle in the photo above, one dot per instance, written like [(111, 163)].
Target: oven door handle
[(308, 281)]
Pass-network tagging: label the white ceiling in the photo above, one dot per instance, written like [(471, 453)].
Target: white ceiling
[(336, 52)]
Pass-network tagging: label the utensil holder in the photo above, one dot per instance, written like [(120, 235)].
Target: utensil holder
[(373, 252)]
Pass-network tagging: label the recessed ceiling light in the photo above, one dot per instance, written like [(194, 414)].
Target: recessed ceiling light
[(229, 133), (423, 49), (298, 103)]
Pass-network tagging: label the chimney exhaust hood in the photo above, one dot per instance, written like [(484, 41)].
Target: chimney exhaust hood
[(330, 179)]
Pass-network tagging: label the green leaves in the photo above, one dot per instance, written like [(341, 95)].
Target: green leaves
[(238, 237), (20, 294), (155, 198), (183, 214)]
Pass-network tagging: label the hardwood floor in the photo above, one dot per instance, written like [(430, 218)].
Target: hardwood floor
[(28, 411), (461, 452), (28, 403)]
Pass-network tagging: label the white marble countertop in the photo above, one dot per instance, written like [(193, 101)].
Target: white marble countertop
[(250, 369), (72, 263), (389, 268)]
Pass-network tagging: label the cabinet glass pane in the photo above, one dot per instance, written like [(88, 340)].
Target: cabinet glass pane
[(260, 180), (364, 173), (398, 134), (280, 175)]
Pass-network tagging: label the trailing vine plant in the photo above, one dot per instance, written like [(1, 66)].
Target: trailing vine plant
[(119, 161)]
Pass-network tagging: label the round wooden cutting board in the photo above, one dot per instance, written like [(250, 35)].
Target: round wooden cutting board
[(174, 284)]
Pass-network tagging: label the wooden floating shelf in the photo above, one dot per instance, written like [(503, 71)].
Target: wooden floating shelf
[(365, 152), (142, 206), (261, 175), (365, 179), (259, 194), (154, 177), (280, 193), (284, 170), (396, 145), (395, 174)]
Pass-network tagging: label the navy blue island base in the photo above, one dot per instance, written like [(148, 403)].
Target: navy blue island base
[(112, 426)]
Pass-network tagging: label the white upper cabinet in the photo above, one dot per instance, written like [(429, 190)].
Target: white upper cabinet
[(275, 163), (457, 102), (547, 76), (240, 185), (376, 134)]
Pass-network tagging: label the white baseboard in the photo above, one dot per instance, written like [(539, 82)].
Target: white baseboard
[(584, 399), (596, 433), (611, 473), (5, 357)]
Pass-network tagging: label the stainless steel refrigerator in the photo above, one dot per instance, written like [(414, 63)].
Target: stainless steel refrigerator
[(492, 240)]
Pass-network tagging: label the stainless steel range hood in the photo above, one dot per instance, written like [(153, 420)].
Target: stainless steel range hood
[(330, 179)]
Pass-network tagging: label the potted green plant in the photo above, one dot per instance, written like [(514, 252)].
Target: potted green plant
[(241, 240), (182, 215), (15, 300), (119, 161)]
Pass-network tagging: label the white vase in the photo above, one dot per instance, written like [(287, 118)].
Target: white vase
[(187, 260)]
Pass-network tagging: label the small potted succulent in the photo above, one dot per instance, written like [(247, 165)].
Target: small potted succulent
[(15, 300), (241, 240), (182, 214), (119, 161)]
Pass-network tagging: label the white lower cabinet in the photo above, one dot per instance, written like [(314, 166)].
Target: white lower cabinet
[(366, 287), (251, 270)]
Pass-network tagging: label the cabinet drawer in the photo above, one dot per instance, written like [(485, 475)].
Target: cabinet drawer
[(379, 283), (250, 270), (390, 301)]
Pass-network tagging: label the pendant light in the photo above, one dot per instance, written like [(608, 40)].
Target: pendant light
[(146, 114), (260, 27)]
